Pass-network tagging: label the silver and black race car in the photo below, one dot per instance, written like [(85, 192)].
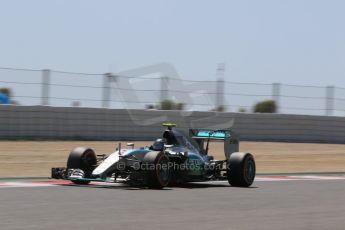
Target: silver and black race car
[(173, 159)]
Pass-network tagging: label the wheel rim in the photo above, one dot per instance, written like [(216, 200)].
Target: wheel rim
[(88, 162), (250, 170), (163, 172), (87, 159)]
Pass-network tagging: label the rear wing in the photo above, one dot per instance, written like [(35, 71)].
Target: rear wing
[(208, 133), (213, 134), (230, 138)]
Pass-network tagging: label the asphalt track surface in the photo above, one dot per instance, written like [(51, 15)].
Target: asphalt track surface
[(269, 205)]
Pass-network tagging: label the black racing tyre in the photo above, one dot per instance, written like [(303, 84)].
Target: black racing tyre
[(84, 159), (155, 164), (241, 169)]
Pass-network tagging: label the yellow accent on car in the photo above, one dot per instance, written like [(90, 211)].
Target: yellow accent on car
[(169, 125)]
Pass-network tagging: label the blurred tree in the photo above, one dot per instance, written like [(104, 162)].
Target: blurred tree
[(179, 106), (242, 110), (171, 105), (218, 109), (167, 105), (268, 106), (150, 106)]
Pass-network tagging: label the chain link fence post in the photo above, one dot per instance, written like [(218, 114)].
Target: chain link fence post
[(164, 88), (106, 90), (108, 78), (220, 73), (220, 95), (45, 87), (276, 95), (329, 100)]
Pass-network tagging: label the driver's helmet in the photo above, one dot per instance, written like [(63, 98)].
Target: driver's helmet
[(158, 145)]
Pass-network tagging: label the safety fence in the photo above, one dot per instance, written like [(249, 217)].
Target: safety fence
[(148, 90)]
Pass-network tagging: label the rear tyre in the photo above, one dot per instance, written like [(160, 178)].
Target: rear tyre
[(241, 169), (156, 167), (84, 159)]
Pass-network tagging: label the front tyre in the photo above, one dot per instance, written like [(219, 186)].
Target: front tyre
[(84, 159), (241, 169), (156, 166)]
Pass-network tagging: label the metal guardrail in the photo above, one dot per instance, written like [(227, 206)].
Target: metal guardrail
[(44, 122)]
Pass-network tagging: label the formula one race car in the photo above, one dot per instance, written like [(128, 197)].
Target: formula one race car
[(173, 159)]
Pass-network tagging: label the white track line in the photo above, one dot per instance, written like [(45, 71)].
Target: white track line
[(23, 185), (53, 183), (298, 178)]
